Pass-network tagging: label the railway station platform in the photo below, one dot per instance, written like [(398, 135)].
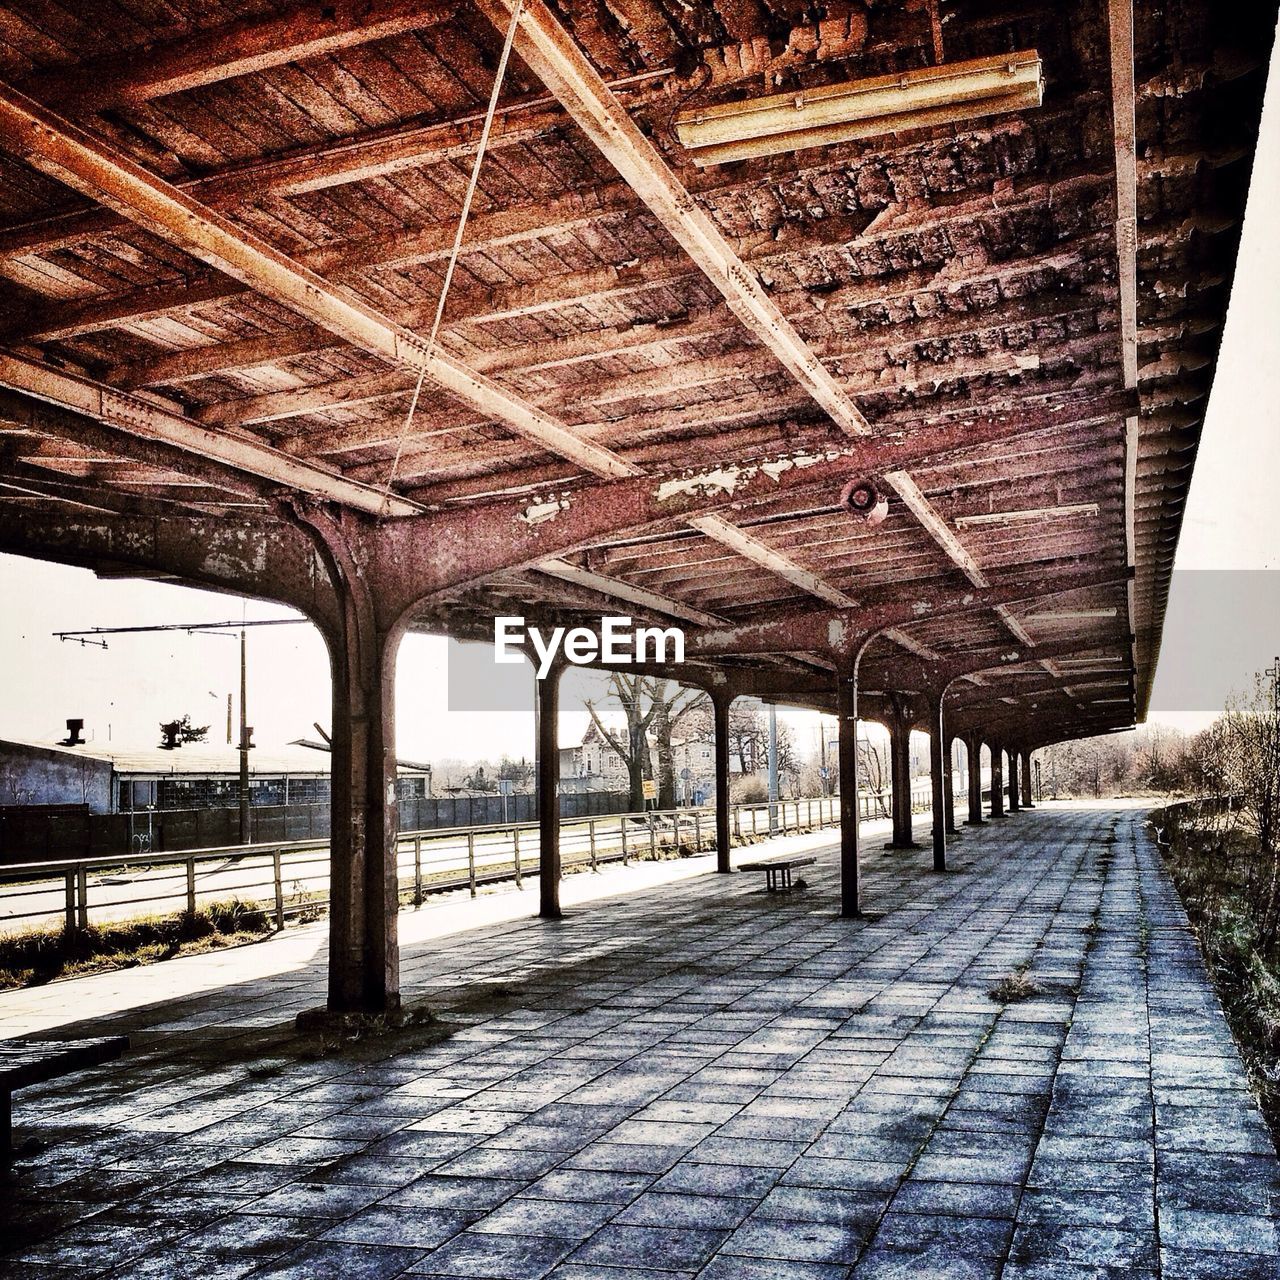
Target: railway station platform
[(690, 1078)]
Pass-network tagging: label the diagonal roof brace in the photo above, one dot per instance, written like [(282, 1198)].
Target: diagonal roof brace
[(553, 55), (292, 33), (549, 50), (138, 417), (84, 162), (751, 548)]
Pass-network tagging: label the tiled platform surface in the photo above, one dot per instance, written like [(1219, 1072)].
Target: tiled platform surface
[(702, 1079)]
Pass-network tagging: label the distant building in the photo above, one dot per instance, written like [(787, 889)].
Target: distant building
[(593, 765), (103, 778), (596, 765)]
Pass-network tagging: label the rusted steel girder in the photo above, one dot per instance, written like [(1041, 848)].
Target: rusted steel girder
[(1055, 413), (840, 631), (417, 558), (926, 676), (50, 420), (262, 558)]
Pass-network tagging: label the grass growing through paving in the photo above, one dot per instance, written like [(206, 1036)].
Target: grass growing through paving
[(37, 956), (1014, 987), (1217, 867)]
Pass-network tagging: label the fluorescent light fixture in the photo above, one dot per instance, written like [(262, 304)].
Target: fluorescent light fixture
[(862, 108), (1027, 514)]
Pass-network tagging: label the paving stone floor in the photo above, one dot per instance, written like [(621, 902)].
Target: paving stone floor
[(702, 1080)]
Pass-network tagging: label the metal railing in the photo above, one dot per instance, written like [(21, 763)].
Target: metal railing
[(291, 878)]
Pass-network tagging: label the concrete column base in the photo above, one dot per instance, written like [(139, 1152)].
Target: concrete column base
[(326, 1021)]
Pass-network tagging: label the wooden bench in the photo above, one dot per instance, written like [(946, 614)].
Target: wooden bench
[(26, 1062), (777, 871)]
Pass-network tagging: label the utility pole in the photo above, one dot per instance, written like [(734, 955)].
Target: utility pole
[(93, 636), (246, 733), (773, 768)]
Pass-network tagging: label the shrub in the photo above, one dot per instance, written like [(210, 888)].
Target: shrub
[(40, 955)]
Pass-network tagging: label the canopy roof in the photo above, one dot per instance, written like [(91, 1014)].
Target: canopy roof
[(222, 245)]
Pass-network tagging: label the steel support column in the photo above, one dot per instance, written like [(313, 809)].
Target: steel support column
[(1014, 801), (949, 792), (721, 701), (938, 780), (1028, 801), (364, 954), (548, 765), (364, 887), (900, 774), (847, 750), (973, 762), (997, 780)]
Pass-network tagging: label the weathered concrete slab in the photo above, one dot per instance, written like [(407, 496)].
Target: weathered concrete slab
[(703, 1079)]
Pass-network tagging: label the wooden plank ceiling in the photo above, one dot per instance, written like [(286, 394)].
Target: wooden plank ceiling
[(226, 225)]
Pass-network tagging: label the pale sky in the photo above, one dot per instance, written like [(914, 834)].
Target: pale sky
[(124, 692)]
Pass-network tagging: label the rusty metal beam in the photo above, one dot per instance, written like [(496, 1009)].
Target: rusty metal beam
[(548, 49), (1065, 411), (64, 151), (462, 544), (236, 48), (45, 420), (620, 589), (140, 418), (831, 629), (937, 528), (265, 559)]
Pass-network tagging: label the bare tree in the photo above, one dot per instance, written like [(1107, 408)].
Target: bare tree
[(749, 739), (671, 705), (639, 708), (872, 767), (14, 792)]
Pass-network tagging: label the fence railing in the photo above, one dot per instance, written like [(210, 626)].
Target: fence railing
[(290, 878), (34, 833)]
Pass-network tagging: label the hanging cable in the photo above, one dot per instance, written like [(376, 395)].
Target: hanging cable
[(498, 78)]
